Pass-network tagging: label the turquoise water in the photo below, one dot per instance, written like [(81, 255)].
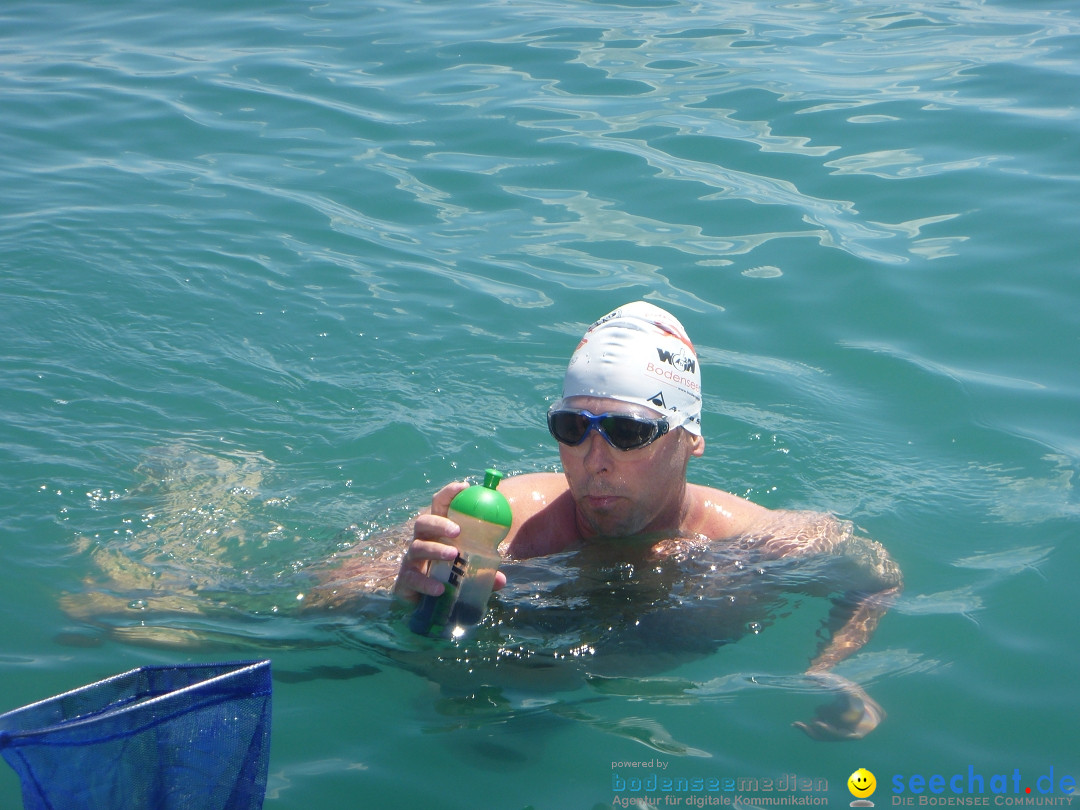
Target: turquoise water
[(272, 273)]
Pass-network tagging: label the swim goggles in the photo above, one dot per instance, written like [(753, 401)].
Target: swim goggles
[(623, 431)]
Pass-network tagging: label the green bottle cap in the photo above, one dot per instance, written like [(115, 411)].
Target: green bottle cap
[(484, 501)]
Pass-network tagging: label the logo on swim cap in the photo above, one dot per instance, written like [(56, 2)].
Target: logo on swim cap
[(639, 354), (681, 360)]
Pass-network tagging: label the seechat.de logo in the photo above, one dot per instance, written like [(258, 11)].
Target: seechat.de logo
[(862, 785)]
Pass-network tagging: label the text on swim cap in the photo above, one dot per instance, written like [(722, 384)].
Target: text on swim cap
[(689, 383)]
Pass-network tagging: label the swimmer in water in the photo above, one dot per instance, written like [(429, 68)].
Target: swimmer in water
[(627, 425)]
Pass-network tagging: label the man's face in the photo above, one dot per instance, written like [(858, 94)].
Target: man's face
[(623, 493)]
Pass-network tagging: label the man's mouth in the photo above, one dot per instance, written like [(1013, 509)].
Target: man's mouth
[(601, 501)]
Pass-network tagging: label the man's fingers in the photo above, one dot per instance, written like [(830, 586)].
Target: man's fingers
[(433, 533), (422, 552), (440, 503), (413, 580), (412, 584), (433, 527)]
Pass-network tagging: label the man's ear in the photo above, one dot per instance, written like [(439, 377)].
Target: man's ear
[(697, 445)]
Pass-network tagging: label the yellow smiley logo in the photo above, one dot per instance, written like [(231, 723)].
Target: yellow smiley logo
[(861, 783)]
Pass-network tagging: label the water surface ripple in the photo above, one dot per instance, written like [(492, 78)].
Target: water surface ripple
[(272, 273)]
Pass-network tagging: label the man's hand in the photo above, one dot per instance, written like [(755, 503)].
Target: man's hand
[(850, 716), (433, 532)]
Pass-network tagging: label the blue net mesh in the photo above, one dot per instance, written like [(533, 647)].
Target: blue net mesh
[(192, 737)]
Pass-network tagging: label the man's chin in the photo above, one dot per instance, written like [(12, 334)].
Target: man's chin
[(604, 523)]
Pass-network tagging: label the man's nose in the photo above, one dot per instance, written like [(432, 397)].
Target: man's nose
[(598, 453)]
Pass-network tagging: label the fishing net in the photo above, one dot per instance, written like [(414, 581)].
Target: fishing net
[(189, 737)]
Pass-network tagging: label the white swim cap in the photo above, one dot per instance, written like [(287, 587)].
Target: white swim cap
[(639, 354)]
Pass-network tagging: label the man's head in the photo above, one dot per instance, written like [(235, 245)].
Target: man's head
[(641, 355), (632, 383)]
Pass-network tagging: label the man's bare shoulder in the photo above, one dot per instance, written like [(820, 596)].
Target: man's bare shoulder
[(532, 490), (774, 533), (797, 533), (543, 515), (720, 515)]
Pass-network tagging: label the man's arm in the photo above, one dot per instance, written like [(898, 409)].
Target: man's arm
[(853, 713), (397, 562), (868, 581), (852, 621)]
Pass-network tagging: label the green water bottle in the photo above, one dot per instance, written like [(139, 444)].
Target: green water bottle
[(484, 517)]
